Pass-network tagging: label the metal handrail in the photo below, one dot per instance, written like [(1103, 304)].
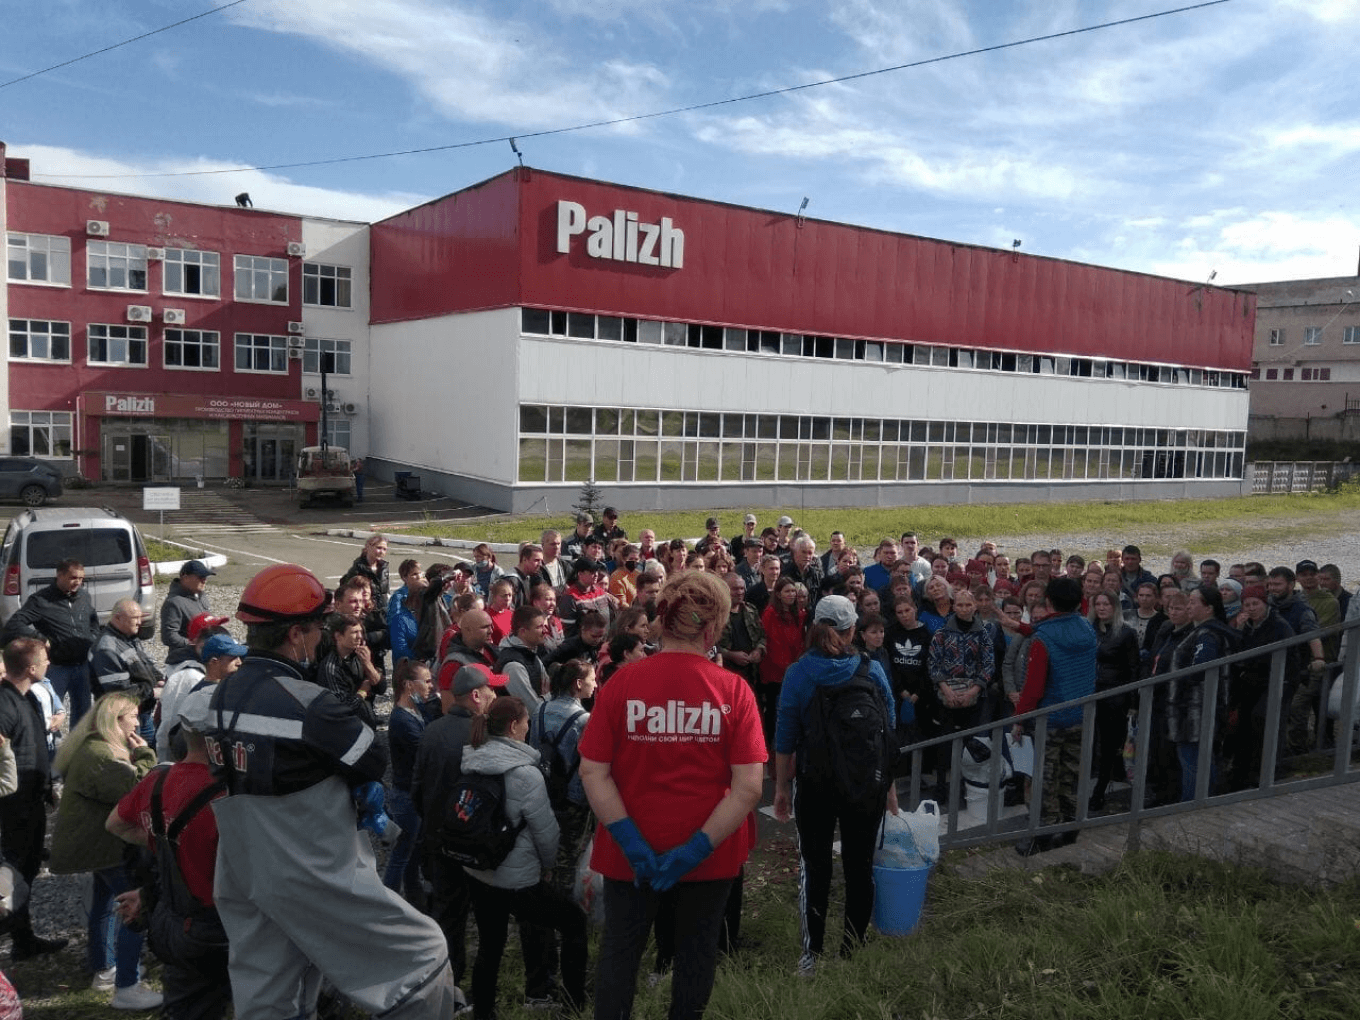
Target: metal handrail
[(992, 830)]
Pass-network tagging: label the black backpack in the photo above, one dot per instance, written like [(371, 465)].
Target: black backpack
[(557, 773), (475, 830), (849, 741)]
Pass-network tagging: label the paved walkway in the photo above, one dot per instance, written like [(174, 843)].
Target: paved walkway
[(1308, 837)]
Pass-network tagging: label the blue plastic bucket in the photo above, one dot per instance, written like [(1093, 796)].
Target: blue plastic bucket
[(899, 895)]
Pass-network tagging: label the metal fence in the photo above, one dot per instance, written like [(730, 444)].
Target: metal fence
[(1283, 476), (1213, 676)]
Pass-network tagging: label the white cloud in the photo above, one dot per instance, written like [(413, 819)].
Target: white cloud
[(470, 65), (267, 190), (1272, 245)]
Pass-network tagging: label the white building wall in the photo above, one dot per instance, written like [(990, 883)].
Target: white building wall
[(621, 375), (442, 400), (342, 243)]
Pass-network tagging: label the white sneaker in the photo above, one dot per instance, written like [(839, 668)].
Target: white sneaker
[(138, 997), (103, 980)]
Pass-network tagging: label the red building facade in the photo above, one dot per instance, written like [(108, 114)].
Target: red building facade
[(152, 339)]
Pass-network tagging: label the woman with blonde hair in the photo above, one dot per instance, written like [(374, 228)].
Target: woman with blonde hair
[(102, 759), (371, 564), (672, 763)]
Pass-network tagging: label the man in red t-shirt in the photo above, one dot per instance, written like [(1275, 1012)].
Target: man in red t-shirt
[(185, 932)]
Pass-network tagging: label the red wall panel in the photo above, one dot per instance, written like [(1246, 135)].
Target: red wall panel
[(458, 253), (755, 268)]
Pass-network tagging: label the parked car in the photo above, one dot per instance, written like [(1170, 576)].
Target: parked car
[(106, 543), (324, 472), (27, 478)]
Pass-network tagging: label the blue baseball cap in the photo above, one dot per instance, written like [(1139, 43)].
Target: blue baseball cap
[(221, 644)]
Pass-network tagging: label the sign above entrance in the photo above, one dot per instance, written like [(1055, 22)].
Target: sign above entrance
[(176, 405), (161, 497)]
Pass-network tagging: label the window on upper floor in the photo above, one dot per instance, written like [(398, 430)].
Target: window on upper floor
[(111, 265), (1286, 374), (1312, 335), (116, 345), (192, 273), (325, 286), (337, 350), (193, 349), (257, 353), (39, 340), (1350, 335), (1272, 373), (39, 258), (260, 278), (1277, 338)]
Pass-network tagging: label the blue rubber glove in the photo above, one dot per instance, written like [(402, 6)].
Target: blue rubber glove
[(676, 864), (371, 805), (640, 855)]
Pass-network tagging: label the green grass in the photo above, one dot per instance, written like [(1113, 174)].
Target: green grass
[(1161, 936), (163, 552), (1225, 519)]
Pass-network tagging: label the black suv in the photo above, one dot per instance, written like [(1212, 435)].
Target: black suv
[(28, 479)]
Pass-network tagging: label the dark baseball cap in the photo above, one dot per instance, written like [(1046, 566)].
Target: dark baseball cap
[(585, 563), (196, 567), (1305, 567)]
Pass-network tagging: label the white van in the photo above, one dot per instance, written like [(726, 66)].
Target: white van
[(106, 543)]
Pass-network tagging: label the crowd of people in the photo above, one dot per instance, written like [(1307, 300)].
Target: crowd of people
[(600, 707)]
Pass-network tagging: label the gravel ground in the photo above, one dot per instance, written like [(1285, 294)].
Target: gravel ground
[(58, 899)]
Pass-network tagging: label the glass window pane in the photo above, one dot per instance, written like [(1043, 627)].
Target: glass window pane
[(644, 461), (532, 320), (606, 460), (533, 460), (606, 421), (708, 457), (648, 331), (731, 462), (671, 455), (581, 325), (648, 422), (533, 418), (579, 421), (577, 467), (609, 327), (672, 423)]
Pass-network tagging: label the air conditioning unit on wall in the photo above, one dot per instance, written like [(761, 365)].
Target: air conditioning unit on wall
[(297, 249), (297, 343), (97, 228), (138, 313), (173, 316), (312, 393), (351, 408), (295, 354), (296, 327), (155, 254)]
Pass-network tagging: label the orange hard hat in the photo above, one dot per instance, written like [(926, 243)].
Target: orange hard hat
[(283, 593)]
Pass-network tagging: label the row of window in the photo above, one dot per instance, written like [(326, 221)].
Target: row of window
[(540, 419), (1312, 336), (128, 346), (1287, 374), (584, 326), (631, 445), (110, 265)]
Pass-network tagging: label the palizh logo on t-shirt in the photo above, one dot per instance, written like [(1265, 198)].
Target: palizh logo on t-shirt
[(675, 721)]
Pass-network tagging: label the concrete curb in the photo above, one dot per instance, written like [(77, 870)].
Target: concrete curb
[(396, 538), (213, 560)]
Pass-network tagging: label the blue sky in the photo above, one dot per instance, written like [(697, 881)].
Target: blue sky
[(1218, 140)]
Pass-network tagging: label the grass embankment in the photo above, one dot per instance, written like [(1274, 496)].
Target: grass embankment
[(1214, 520), (1161, 937), (163, 552)]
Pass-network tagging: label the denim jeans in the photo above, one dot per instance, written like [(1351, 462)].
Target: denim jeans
[(1189, 756), (403, 868), (74, 680), (109, 941)]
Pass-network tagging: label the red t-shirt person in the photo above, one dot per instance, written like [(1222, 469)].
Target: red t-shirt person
[(197, 855), (671, 727)]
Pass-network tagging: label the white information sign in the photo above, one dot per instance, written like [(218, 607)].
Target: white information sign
[(162, 497)]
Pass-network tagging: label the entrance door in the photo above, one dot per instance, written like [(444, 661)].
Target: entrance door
[(273, 458)]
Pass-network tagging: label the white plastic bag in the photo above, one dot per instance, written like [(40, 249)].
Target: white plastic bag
[(976, 762), (588, 887), (910, 839)]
